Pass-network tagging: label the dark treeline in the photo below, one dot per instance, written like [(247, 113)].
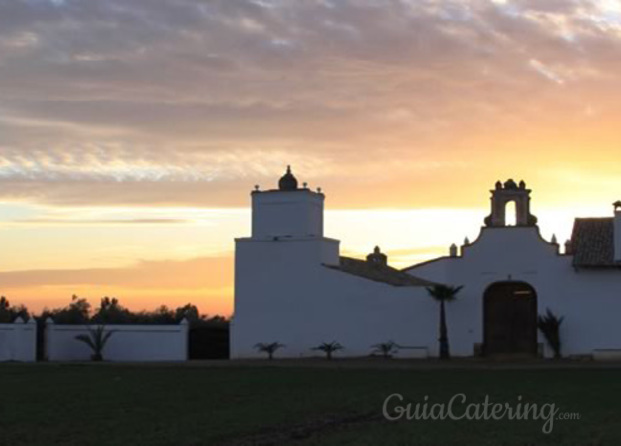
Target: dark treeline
[(110, 311), (9, 313), (208, 336)]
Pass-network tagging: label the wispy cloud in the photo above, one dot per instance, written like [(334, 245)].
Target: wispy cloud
[(125, 123), (139, 221), (545, 71), (144, 285), (174, 274), (225, 93)]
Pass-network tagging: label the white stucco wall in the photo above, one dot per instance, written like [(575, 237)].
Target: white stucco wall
[(590, 300), (128, 343), (287, 213), (617, 236), (18, 341), (284, 294)]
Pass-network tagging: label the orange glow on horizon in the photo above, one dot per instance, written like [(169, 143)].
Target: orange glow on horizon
[(127, 159), (204, 276)]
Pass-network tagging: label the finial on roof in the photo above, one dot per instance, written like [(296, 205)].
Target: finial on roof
[(288, 181), (453, 250), (377, 258), (466, 241), (510, 184), (554, 241), (617, 205)]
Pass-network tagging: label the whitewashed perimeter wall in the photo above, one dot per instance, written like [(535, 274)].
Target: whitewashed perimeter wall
[(18, 341), (128, 343)]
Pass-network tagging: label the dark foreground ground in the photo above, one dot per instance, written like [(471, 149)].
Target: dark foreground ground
[(299, 403)]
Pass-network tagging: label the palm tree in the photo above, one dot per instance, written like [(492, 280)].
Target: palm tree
[(443, 293), (96, 339), (268, 348), (385, 348), (549, 324), (328, 348)]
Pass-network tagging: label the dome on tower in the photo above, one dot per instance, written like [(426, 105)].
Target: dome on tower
[(288, 181)]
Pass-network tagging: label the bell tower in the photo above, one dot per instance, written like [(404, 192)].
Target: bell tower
[(507, 193), (288, 212)]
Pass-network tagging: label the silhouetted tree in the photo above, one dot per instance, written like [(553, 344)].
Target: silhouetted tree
[(328, 348), (4, 305), (217, 319), (110, 311), (77, 312), (270, 348), (385, 348), (161, 315), (189, 312), (444, 293), (9, 313), (164, 315)]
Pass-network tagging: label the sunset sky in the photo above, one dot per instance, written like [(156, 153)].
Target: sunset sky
[(132, 132)]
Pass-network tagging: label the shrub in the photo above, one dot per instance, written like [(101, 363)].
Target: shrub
[(96, 339), (329, 348), (550, 324), (270, 348), (386, 349)]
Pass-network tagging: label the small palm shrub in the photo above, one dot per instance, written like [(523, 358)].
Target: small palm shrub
[(386, 349), (270, 348), (96, 339), (549, 324), (328, 348)]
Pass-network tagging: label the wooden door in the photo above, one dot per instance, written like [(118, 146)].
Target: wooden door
[(510, 319)]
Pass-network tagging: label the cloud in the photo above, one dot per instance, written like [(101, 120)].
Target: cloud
[(205, 282), (545, 71), (153, 275), (106, 102), (141, 221)]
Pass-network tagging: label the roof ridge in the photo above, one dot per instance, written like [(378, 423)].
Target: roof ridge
[(382, 273), (594, 218)]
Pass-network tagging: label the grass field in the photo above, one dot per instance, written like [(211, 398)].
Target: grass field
[(339, 404)]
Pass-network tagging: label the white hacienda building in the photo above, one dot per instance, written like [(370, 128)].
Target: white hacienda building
[(293, 287)]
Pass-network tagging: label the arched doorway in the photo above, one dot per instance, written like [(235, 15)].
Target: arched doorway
[(510, 319)]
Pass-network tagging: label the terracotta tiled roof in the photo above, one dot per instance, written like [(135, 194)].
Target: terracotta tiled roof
[(592, 242), (426, 262), (378, 273)]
